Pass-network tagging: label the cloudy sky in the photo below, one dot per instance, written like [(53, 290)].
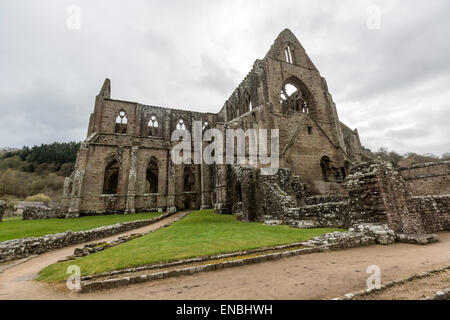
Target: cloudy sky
[(390, 77)]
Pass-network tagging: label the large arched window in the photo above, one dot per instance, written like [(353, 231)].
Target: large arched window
[(121, 122), (153, 126), (295, 97), (111, 178), (151, 182)]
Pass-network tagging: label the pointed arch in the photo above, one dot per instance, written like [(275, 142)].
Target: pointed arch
[(153, 126), (152, 176), (205, 125), (111, 175), (188, 180), (325, 165), (181, 124), (121, 122), (289, 53), (295, 96)]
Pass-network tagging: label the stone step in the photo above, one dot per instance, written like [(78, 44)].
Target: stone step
[(417, 238)]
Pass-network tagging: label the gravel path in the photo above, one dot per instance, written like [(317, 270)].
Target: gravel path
[(313, 276)]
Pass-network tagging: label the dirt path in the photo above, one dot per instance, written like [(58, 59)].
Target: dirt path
[(414, 290), (16, 282), (313, 276)]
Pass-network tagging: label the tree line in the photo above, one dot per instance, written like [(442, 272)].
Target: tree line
[(55, 157)]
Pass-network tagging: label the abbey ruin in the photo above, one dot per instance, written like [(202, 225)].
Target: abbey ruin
[(323, 179)]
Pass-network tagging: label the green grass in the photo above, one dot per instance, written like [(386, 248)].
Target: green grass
[(15, 229), (200, 233)]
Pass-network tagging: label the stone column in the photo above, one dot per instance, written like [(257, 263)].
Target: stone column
[(221, 178), (77, 185), (65, 201), (75, 199), (131, 192), (2, 209), (205, 186), (171, 185)]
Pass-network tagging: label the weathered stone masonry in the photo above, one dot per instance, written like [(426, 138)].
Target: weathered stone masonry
[(125, 165)]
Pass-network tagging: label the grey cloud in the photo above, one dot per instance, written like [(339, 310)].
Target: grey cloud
[(390, 83)]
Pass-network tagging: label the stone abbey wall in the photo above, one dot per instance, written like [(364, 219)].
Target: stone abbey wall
[(376, 194), (125, 165), (428, 179)]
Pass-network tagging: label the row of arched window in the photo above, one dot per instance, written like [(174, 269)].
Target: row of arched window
[(153, 125), (235, 112), (111, 178)]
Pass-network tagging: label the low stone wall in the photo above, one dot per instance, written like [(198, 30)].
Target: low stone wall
[(325, 215), (39, 213), (22, 248), (434, 211), (360, 235)]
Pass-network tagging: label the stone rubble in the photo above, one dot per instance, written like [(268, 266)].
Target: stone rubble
[(100, 246), (359, 235)]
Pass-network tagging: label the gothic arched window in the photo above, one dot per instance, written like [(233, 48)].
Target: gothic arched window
[(205, 125), (151, 185), (121, 123), (181, 125), (153, 126), (289, 53), (111, 177), (295, 97)]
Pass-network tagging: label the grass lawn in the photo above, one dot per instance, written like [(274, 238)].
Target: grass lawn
[(15, 229), (198, 234)]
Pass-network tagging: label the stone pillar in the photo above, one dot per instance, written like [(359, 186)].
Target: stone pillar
[(131, 192), (171, 185), (75, 199), (67, 192), (2, 209), (77, 185), (221, 177), (205, 186)]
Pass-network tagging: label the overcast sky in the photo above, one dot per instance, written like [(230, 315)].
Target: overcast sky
[(391, 82)]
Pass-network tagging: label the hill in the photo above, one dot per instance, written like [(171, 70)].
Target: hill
[(40, 169)]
